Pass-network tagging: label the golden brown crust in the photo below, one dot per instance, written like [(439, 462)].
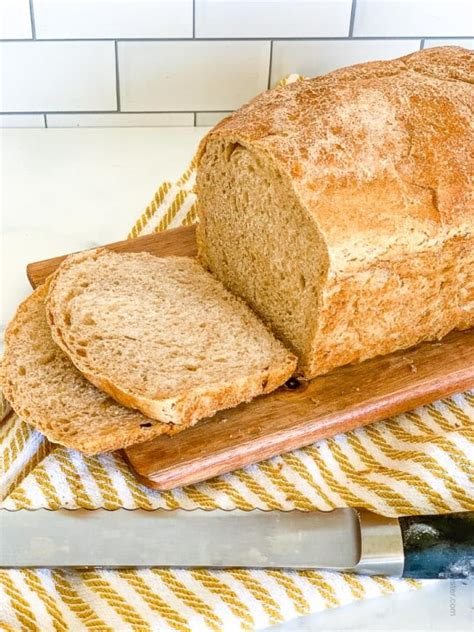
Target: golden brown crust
[(380, 156), (189, 407), (388, 140), (393, 305)]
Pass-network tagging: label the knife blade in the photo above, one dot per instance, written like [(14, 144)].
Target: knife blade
[(343, 539)]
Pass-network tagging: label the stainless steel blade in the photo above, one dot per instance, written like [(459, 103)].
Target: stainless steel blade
[(265, 539), (179, 538)]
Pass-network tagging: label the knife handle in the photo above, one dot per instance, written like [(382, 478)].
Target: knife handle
[(439, 547)]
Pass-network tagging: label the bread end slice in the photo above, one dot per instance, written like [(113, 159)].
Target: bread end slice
[(48, 392)]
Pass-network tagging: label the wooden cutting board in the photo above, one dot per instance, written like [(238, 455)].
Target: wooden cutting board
[(298, 413)]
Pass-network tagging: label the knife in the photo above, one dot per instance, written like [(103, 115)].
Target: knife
[(346, 539)]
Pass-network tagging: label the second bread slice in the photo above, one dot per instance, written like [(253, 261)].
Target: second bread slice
[(162, 335)]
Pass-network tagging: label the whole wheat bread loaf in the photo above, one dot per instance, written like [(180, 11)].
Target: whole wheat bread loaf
[(341, 208), (162, 335), (48, 392)]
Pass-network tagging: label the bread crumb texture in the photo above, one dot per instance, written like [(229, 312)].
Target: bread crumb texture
[(48, 392), (162, 335), (341, 207)]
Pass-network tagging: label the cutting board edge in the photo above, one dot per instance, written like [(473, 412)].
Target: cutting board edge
[(38, 271), (164, 481)]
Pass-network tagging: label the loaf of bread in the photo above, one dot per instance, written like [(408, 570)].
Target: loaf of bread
[(162, 335), (49, 393), (340, 208)]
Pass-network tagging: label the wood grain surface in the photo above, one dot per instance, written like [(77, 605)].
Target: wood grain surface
[(344, 399), (297, 414), (177, 241)]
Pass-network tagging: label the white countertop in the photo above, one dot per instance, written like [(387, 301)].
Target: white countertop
[(63, 190)]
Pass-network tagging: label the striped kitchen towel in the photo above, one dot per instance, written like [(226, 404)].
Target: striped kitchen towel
[(416, 463)]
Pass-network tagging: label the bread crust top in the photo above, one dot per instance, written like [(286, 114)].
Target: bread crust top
[(380, 154)]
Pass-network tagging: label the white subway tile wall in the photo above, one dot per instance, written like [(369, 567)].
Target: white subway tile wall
[(419, 18), (209, 119), (15, 19), (22, 120), (50, 76), (117, 119), (218, 75), (113, 19), (465, 43), (273, 18), (103, 63), (311, 58)]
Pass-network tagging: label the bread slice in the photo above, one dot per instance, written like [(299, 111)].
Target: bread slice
[(162, 335), (48, 392)]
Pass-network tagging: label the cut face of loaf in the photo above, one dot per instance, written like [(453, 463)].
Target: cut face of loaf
[(257, 239), (49, 393), (162, 335), (340, 208)]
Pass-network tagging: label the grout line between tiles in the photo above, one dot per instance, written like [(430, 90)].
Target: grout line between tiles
[(270, 66), (243, 39), (32, 19), (115, 112), (45, 121), (117, 77), (194, 19), (195, 119), (422, 44), (352, 18)]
